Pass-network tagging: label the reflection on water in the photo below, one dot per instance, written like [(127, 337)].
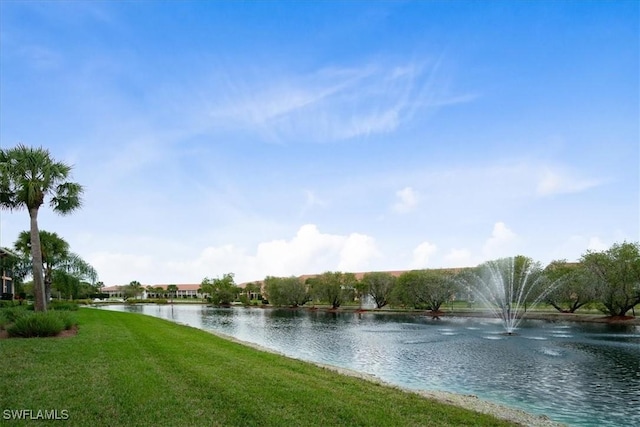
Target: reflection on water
[(578, 374)]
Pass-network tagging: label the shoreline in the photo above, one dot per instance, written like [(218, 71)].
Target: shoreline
[(466, 401), (533, 315)]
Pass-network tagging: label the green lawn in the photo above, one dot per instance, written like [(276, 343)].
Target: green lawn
[(127, 369)]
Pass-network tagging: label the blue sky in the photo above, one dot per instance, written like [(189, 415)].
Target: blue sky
[(280, 138)]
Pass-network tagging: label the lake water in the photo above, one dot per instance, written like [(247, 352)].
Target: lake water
[(576, 373)]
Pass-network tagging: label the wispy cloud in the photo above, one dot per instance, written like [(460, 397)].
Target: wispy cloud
[(312, 201), (407, 200), (334, 103), (555, 181)]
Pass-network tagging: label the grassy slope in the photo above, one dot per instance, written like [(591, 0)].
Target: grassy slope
[(133, 370)]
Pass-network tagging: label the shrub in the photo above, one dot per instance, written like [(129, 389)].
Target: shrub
[(63, 306), (3, 320), (38, 324), (68, 319), (5, 303), (13, 313)]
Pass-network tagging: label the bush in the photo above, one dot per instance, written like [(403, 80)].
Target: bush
[(63, 306), (38, 324), (68, 319), (5, 303), (3, 320), (14, 313)]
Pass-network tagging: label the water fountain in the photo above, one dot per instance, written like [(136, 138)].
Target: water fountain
[(508, 287)]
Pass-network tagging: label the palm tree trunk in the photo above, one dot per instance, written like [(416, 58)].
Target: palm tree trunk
[(36, 255)]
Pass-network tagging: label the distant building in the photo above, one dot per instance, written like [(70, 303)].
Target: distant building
[(152, 291), (6, 282)]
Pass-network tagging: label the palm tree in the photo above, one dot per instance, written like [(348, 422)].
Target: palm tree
[(173, 290), (27, 177), (54, 249), (136, 288)]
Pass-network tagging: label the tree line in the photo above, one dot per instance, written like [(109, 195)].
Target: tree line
[(608, 280)]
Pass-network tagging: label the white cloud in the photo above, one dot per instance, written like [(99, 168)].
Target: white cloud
[(309, 251), (110, 267), (552, 182), (458, 258), (357, 253), (501, 242), (422, 253), (407, 200), (573, 247)]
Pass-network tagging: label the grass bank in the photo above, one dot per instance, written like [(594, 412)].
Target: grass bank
[(127, 369)]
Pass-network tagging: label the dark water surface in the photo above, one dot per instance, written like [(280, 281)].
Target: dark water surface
[(576, 373)]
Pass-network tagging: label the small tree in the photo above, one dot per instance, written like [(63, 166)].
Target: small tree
[(66, 284), (616, 273), (222, 291), (333, 287), (289, 291), (380, 286), (133, 289), (571, 286), (440, 288), (425, 288), (409, 289)]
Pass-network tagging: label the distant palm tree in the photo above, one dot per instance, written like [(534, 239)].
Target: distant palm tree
[(28, 176), (150, 291), (135, 288), (173, 290)]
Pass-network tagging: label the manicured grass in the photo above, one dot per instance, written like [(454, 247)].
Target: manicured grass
[(126, 369)]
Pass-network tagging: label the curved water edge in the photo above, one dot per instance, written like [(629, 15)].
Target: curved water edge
[(575, 373)]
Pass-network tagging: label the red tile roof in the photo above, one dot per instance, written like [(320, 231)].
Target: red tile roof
[(189, 287)]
